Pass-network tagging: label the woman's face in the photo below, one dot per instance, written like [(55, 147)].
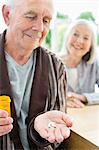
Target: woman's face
[(79, 42)]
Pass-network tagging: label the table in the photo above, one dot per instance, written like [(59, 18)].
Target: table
[(86, 122), (85, 130)]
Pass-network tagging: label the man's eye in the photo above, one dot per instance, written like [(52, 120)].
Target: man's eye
[(46, 21), (31, 17)]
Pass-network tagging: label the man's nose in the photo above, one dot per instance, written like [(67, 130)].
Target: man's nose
[(39, 26)]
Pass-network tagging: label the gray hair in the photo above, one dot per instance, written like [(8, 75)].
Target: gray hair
[(9, 3), (89, 57)]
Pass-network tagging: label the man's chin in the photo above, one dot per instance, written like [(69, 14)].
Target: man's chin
[(35, 46)]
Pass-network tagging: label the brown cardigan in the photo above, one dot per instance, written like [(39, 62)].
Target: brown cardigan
[(38, 96)]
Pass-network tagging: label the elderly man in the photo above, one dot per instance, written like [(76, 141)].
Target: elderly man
[(33, 78)]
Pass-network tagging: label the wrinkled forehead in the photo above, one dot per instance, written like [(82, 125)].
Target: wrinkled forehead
[(38, 5)]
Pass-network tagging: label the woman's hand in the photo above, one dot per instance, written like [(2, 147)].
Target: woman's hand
[(75, 100), (5, 123), (53, 126)]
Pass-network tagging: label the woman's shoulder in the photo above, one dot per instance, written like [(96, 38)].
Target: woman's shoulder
[(92, 66), (96, 62)]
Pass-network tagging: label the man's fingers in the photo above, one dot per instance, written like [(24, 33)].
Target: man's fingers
[(51, 135), (5, 132), (6, 121), (43, 133), (3, 114), (65, 132), (67, 120), (5, 129), (58, 135)]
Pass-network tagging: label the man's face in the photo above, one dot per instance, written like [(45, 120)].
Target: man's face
[(29, 22)]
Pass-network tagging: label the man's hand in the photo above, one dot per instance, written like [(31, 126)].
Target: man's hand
[(53, 126), (5, 123), (75, 100)]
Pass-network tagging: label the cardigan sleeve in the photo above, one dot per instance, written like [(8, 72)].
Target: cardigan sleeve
[(93, 98), (58, 85), (56, 96), (35, 137)]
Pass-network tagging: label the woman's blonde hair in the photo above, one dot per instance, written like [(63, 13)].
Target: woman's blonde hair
[(89, 56)]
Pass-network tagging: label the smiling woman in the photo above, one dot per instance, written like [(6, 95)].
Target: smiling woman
[(67, 8), (81, 65)]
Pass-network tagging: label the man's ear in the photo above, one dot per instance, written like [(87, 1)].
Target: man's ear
[(6, 14)]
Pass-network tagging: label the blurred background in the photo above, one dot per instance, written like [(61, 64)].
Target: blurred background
[(65, 12)]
